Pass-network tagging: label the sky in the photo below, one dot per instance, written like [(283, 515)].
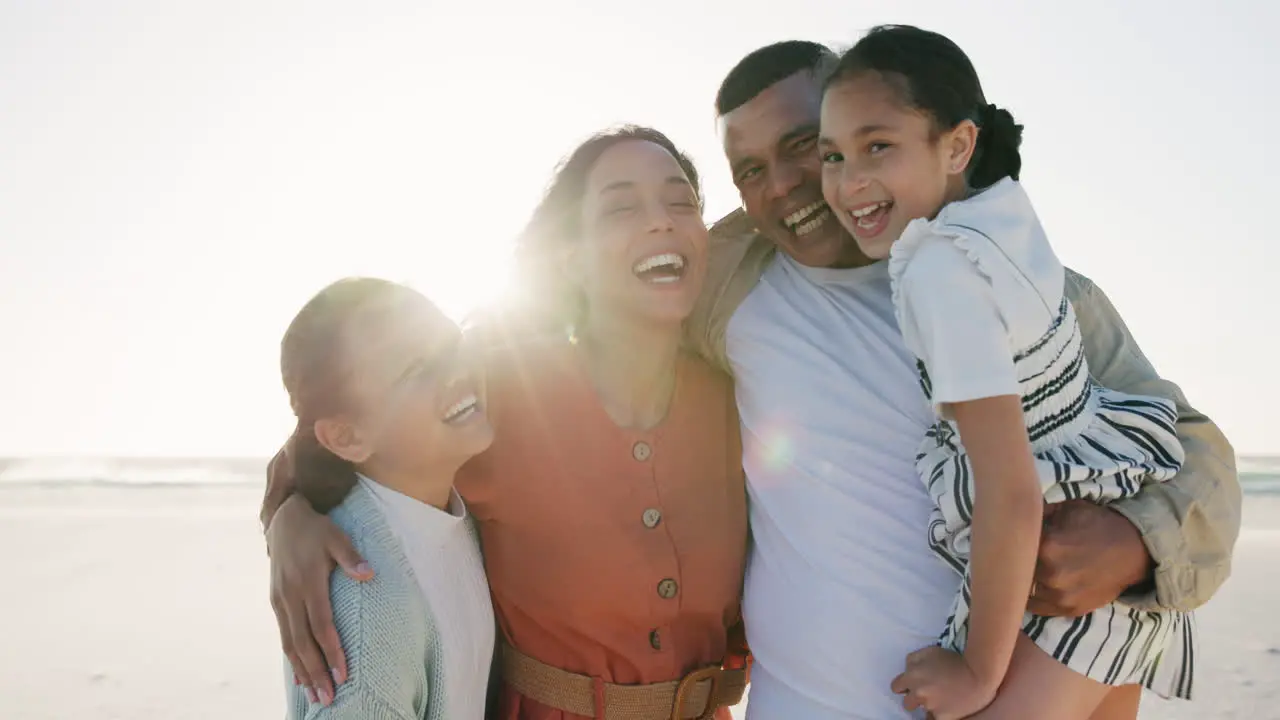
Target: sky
[(177, 178)]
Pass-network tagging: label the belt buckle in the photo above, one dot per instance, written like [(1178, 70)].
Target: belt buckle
[(711, 674)]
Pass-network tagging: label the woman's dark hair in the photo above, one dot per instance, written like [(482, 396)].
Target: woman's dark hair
[(557, 222), (934, 75), (314, 371)]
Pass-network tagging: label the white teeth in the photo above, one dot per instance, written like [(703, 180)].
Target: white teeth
[(863, 212), (461, 408), (669, 259), (813, 224), (794, 218)]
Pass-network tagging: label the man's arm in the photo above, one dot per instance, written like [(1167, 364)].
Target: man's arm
[(279, 485), (304, 547), (737, 258), (1189, 524)]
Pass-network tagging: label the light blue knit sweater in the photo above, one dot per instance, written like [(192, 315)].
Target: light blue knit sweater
[(394, 661)]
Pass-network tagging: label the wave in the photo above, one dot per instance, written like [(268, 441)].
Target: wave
[(133, 472), (1260, 483), (1259, 475), (1258, 464)]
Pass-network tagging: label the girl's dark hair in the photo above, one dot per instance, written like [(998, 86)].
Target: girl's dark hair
[(557, 222), (314, 371), (935, 76)]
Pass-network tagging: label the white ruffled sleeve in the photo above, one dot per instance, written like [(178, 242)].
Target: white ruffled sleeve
[(950, 318)]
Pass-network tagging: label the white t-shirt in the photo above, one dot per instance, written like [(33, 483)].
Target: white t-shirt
[(841, 584), (447, 564)]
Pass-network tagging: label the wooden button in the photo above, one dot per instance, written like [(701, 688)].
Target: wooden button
[(655, 640), (667, 589), (652, 517), (641, 451)]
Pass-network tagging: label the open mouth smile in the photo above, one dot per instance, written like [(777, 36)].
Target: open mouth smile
[(461, 410), (660, 269), (870, 219), (807, 219)]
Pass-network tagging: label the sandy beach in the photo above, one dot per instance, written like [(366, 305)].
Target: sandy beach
[(150, 603)]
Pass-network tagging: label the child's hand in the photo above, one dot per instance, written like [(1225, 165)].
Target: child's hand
[(941, 682)]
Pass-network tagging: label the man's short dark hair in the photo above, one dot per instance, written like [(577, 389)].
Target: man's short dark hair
[(763, 67)]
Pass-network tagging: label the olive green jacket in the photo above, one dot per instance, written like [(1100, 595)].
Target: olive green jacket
[(1189, 524)]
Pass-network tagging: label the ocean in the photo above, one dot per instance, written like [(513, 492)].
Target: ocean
[(1259, 474), (130, 572)]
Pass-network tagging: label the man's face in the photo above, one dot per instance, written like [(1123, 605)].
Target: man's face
[(771, 145)]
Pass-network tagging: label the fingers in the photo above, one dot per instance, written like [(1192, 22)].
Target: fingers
[(320, 613), (308, 662), (900, 684), (912, 701), (1054, 573), (908, 682), (304, 546), (320, 623), (1063, 526), (288, 640), (1050, 551), (1050, 601), (1043, 596), (286, 636), (345, 555)]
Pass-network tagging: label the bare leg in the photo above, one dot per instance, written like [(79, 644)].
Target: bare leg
[(1039, 686), (1120, 704)]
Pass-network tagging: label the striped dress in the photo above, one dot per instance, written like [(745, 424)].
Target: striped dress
[(980, 299)]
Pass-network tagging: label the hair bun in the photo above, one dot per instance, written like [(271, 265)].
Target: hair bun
[(999, 137)]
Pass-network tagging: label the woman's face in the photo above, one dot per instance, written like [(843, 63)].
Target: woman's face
[(644, 246), (883, 163), (417, 404)]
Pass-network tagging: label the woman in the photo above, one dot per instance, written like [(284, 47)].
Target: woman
[(386, 417), (611, 506)]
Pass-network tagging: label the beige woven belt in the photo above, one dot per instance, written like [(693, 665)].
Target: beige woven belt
[(697, 696)]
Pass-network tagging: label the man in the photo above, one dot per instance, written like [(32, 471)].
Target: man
[(841, 584)]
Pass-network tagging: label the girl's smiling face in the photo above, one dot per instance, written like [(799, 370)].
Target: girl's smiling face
[(415, 402), (885, 163)]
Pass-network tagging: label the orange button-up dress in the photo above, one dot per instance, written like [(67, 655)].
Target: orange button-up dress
[(612, 553)]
